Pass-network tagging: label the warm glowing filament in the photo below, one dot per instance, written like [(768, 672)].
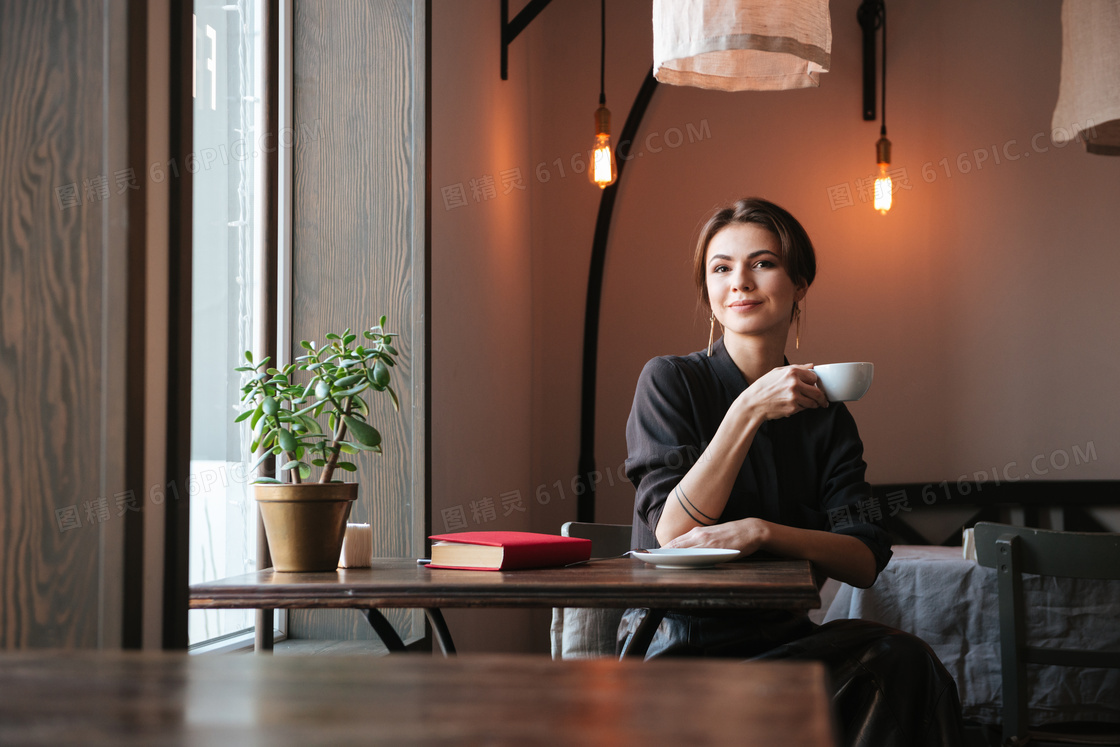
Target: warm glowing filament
[(602, 162), (883, 190)]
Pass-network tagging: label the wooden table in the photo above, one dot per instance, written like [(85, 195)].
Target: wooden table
[(157, 698), (618, 583)]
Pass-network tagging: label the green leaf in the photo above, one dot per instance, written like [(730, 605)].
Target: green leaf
[(380, 374), (363, 433), (304, 471), (288, 442), (260, 460), (249, 356), (384, 320), (257, 413), (306, 345), (244, 416), (270, 406), (291, 465), (311, 424), (349, 339), (393, 395), (347, 447), (350, 380), (244, 368), (355, 390), (266, 481), (319, 462), (391, 350), (346, 466), (322, 390), (333, 336), (361, 407)]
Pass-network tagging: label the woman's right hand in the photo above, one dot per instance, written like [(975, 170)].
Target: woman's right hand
[(782, 392)]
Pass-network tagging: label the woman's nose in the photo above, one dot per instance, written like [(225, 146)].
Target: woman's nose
[(743, 283)]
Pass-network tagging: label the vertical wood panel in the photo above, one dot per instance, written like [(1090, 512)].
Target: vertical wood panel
[(354, 243), (51, 316)]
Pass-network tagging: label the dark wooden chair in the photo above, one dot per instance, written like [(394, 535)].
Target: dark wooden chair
[(1013, 551), (581, 632)]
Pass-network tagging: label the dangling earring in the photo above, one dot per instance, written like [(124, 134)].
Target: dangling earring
[(712, 335), (797, 321)]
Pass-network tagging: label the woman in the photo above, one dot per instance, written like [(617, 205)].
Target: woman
[(733, 447)]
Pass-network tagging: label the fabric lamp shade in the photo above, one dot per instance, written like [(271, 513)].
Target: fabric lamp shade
[(734, 45), (1089, 94)]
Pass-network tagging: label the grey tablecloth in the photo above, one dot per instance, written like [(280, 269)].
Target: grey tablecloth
[(951, 603)]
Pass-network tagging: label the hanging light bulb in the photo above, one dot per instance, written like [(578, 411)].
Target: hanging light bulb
[(871, 13), (603, 171), (883, 186)]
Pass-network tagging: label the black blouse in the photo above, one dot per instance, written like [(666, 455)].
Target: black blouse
[(803, 471)]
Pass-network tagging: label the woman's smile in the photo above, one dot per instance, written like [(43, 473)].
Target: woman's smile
[(750, 291), (744, 305)]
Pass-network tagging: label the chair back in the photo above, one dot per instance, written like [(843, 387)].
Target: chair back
[(1046, 552), (580, 633), (607, 540), (1013, 551)]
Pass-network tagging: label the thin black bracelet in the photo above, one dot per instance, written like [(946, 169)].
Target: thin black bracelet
[(697, 508), (679, 493)]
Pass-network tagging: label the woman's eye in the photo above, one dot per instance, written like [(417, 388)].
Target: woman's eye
[(764, 264), (720, 268)]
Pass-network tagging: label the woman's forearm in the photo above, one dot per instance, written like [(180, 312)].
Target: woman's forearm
[(839, 556), (701, 495)]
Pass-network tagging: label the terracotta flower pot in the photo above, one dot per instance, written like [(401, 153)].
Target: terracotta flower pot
[(305, 523)]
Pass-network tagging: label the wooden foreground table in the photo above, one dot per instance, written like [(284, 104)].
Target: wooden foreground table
[(618, 583), (157, 698)]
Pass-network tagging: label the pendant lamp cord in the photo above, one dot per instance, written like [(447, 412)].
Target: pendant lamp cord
[(603, 52)]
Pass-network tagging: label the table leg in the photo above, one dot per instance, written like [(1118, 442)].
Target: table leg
[(643, 636), (439, 629), (384, 630), (262, 638)]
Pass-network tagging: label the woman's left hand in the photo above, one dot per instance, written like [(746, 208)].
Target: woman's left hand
[(744, 535)]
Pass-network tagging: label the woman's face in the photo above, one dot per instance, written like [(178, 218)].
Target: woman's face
[(750, 291)]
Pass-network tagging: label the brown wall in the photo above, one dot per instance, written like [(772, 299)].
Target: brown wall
[(482, 336), (62, 326), (983, 297), (358, 246)]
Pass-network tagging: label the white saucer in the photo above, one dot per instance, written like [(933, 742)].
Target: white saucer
[(685, 557)]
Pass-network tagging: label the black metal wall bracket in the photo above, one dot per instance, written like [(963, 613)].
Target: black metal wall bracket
[(870, 17), (510, 29)]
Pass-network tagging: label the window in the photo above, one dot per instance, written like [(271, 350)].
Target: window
[(227, 163)]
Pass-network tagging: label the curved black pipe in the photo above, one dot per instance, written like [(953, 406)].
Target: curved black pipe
[(585, 507)]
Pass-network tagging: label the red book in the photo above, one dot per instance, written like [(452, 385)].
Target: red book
[(506, 551)]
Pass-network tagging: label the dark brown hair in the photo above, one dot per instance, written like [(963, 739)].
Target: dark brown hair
[(797, 255)]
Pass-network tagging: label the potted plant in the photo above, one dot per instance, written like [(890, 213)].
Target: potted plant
[(305, 519)]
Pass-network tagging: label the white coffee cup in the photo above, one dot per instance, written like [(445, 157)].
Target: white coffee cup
[(844, 382)]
